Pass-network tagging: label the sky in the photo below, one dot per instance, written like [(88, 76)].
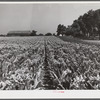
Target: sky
[(41, 17)]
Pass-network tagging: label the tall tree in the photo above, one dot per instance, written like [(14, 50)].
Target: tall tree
[(61, 30), (76, 28), (33, 33), (87, 25)]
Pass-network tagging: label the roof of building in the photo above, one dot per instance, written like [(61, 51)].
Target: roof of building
[(19, 32)]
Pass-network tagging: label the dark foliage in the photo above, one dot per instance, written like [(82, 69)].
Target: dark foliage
[(48, 34), (33, 33), (87, 26), (61, 30), (40, 34)]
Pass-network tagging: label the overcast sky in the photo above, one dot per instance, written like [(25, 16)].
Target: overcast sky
[(41, 17)]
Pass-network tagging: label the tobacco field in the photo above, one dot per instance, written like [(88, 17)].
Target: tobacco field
[(48, 63)]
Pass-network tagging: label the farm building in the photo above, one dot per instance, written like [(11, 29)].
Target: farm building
[(19, 33)]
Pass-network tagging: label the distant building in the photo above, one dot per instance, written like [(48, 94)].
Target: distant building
[(19, 33)]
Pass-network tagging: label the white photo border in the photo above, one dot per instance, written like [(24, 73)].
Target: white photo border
[(49, 94)]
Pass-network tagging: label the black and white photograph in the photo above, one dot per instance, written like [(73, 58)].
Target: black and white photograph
[(49, 46)]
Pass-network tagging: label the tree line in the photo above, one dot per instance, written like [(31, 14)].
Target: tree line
[(86, 26), (27, 33)]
